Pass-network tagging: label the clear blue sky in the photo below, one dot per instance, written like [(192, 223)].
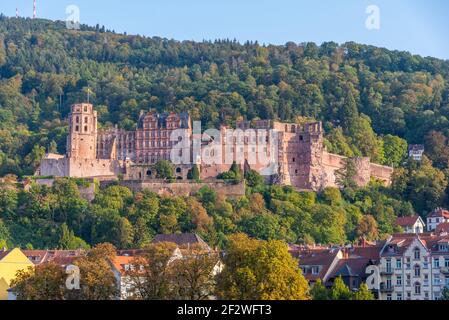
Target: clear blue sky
[(418, 26)]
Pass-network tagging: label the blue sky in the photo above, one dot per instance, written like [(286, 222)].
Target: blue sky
[(418, 26)]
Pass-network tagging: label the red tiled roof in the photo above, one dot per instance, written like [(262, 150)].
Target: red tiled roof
[(442, 227), (318, 257), (119, 263), (406, 221), (61, 257)]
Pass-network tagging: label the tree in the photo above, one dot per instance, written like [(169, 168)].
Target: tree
[(194, 173), (319, 291), (151, 276), (253, 178), (42, 282), (363, 293), (367, 228), (339, 291), (164, 170), (68, 241), (345, 177), (97, 281), (194, 274), (260, 270), (395, 150)]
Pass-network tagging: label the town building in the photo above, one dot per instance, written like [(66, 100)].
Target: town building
[(296, 153), (437, 217), (413, 224), (416, 152), (11, 261), (412, 267)]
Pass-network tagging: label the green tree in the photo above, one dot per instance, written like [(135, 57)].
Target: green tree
[(339, 291), (164, 170), (319, 291), (194, 173), (363, 293), (259, 270), (395, 150)]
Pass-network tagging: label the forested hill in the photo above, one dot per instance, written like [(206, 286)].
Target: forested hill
[(368, 97)]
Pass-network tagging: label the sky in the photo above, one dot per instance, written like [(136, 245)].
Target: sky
[(418, 26)]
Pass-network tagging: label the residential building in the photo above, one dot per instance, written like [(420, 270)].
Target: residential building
[(414, 224), (416, 151), (11, 261), (412, 267), (436, 217)]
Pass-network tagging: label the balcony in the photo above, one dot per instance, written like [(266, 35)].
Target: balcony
[(386, 271), (386, 288)]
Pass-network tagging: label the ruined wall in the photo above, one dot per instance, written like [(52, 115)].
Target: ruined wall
[(382, 173), (331, 164), (182, 188), (86, 168), (54, 167)]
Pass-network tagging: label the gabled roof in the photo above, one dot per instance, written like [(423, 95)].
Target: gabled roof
[(316, 257), (182, 239), (407, 221), (60, 257)]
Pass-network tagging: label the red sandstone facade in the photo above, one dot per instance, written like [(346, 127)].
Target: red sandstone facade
[(296, 153)]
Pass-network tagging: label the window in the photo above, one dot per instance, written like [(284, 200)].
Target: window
[(315, 270), (417, 288), (389, 297), (417, 271), (436, 279), (399, 296), (85, 108), (85, 128), (77, 128), (446, 263), (399, 280), (86, 120), (77, 119), (417, 254), (398, 264)]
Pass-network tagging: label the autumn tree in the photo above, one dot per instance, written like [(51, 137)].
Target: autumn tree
[(97, 281), (260, 270), (43, 282), (151, 277), (194, 274), (339, 290), (367, 228)]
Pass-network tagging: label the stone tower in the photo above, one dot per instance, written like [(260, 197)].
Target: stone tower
[(310, 154), (82, 139)]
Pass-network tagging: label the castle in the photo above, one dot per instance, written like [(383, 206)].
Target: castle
[(284, 153)]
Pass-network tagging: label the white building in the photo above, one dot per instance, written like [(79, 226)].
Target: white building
[(412, 267), (413, 224), (416, 151), (437, 217)]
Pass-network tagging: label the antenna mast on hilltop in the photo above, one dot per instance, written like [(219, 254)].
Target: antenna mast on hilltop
[(17, 12), (34, 9)]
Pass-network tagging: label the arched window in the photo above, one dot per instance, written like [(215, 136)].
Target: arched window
[(149, 173), (178, 170)]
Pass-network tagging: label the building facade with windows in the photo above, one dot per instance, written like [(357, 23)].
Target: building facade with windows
[(412, 267)]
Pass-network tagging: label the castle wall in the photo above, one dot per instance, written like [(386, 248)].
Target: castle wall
[(54, 167), (87, 168), (382, 173), (181, 188)]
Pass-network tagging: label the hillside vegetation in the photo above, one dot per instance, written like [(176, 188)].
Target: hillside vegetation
[(372, 101)]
